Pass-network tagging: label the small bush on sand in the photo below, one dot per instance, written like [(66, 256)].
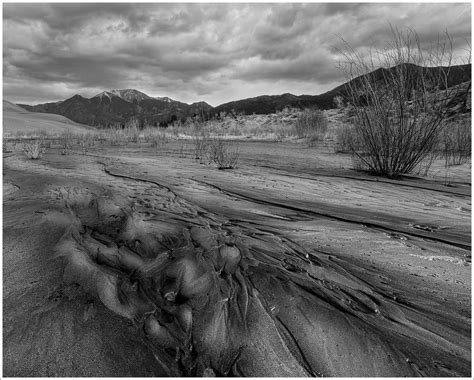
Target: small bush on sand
[(201, 143), (34, 150), (156, 139), (400, 96), (133, 134), (225, 154), (66, 142), (311, 124), (84, 143)]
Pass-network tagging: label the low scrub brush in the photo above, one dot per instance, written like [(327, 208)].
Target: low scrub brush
[(34, 150)]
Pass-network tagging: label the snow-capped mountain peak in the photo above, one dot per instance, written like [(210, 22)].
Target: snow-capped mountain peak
[(164, 99), (104, 94), (130, 95)]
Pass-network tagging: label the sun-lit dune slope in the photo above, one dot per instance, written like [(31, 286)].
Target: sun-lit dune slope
[(18, 120)]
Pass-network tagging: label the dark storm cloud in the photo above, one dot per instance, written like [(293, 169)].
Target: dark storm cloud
[(212, 52), (66, 18)]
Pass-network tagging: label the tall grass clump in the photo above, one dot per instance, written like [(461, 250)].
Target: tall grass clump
[(400, 96), (456, 143), (311, 124), (346, 139)]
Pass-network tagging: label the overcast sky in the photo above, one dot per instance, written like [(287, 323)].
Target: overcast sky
[(192, 52)]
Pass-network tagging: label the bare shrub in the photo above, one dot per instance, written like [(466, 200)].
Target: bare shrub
[(66, 142), (200, 141), (34, 150), (225, 154), (115, 136), (85, 142), (101, 137), (311, 124), (400, 96), (156, 138), (133, 134)]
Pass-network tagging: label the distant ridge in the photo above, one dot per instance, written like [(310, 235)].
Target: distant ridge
[(121, 107), (269, 104)]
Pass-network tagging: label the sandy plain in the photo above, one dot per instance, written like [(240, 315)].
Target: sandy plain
[(138, 261)]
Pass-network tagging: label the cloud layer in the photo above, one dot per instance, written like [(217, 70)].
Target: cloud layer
[(192, 52)]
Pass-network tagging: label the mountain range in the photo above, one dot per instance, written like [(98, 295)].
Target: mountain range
[(120, 107)]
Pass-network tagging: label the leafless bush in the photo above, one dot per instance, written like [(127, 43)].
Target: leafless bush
[(200, 142), (133, 134), (66, 142), (311, 124), (225, 154), (84, 143), (400, 96), (157, 139), (117, 136), (34, 150)]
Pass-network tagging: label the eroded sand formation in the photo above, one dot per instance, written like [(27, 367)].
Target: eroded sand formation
[(209, 295)]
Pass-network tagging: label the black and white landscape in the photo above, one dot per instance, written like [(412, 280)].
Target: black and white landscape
[(258, 190)]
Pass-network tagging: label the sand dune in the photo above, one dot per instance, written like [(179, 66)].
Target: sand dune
[(19, 120)]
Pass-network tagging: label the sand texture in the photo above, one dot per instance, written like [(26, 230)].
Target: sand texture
[(138, 262)]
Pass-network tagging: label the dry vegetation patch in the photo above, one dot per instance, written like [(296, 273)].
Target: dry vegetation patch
[(400, 97), (34, 150)]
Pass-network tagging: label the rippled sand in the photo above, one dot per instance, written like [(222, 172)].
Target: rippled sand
[(136, 264)]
